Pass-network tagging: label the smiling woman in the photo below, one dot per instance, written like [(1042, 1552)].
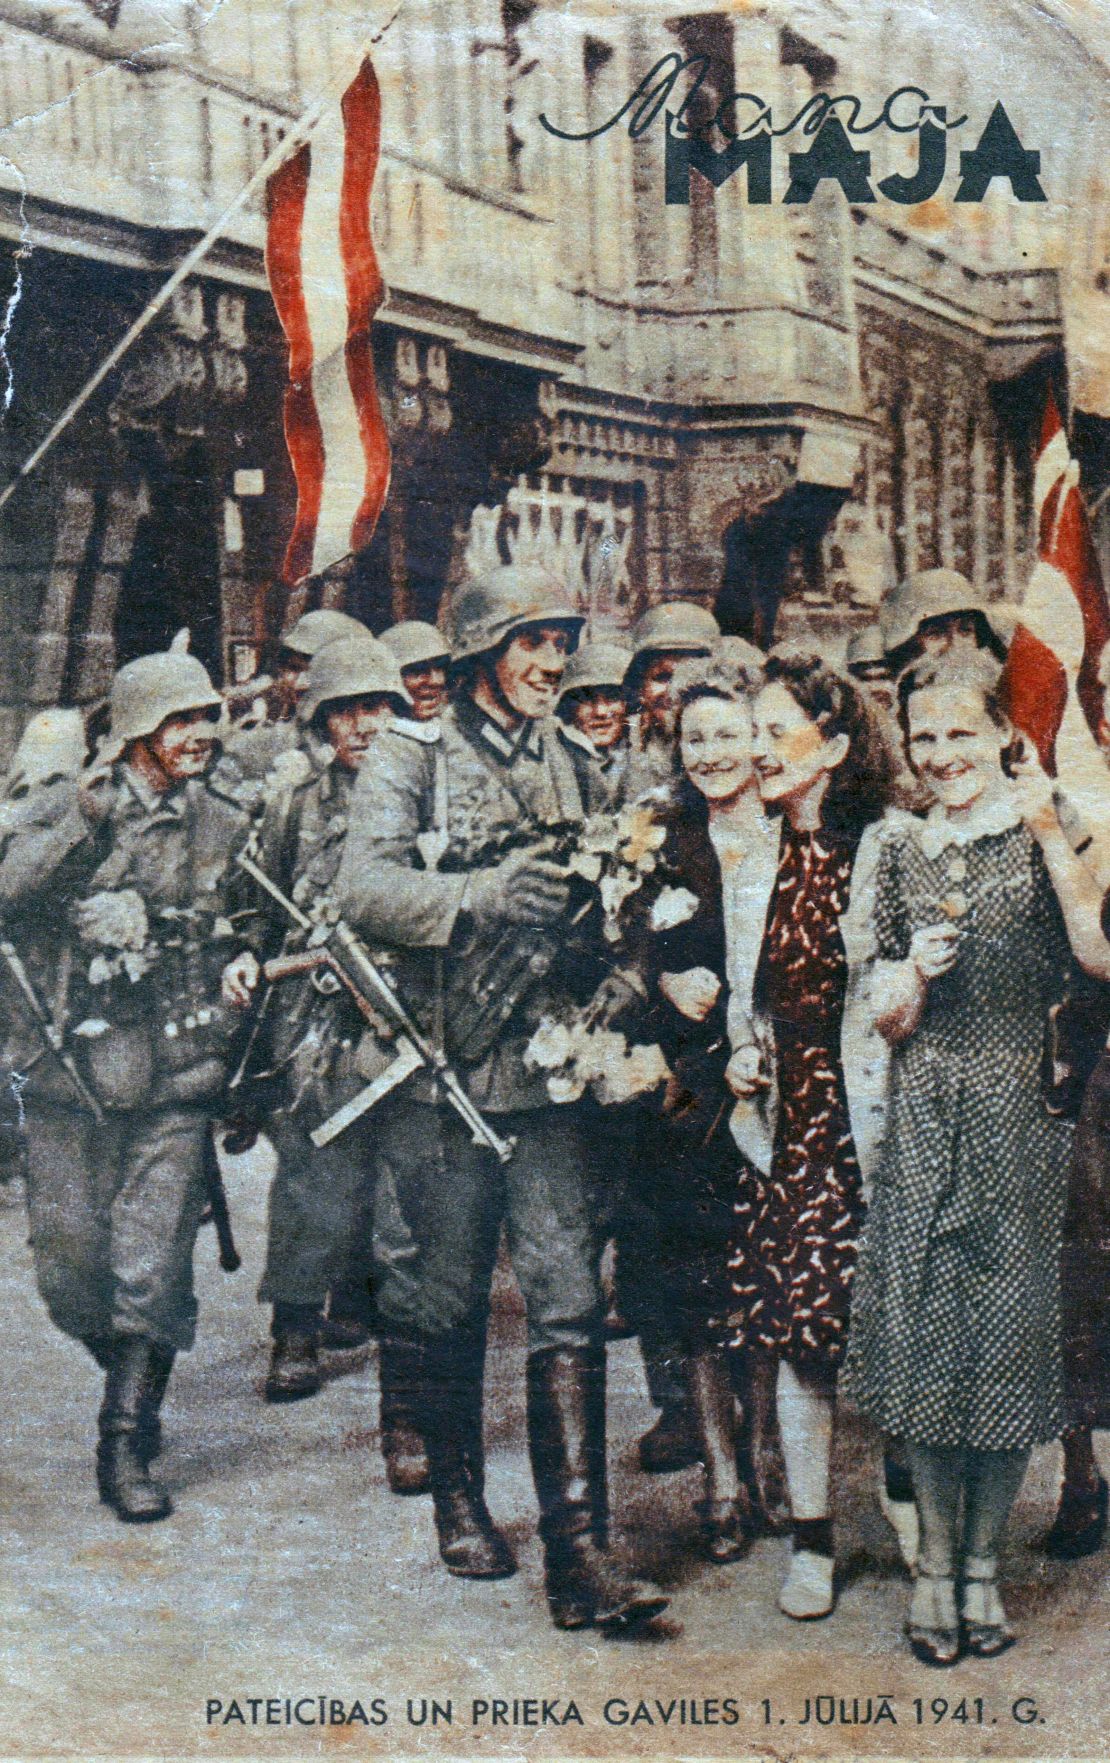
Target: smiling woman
[(975, 908), (817, 758), (687, 1168)]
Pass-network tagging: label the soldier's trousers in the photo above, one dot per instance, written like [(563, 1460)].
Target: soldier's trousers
[(114, 1213), (439, 1205), (319, 1205)]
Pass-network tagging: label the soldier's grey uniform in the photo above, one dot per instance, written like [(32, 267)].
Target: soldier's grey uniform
[(437, 1190), (317, 1043), (115, 1209)]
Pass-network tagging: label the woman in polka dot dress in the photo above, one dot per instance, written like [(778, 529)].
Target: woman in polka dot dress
[(797, 1221), (956, 1343)]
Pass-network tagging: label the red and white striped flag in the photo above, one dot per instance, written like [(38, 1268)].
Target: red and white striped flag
[(327, 286), (1064, 621)]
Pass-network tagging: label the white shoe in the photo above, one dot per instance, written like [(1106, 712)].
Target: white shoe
[(902, 1517), (807, 1591)]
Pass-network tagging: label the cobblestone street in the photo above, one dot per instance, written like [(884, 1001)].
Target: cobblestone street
[(288, 1571)]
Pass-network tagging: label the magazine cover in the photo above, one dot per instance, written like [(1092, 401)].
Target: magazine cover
[(554, 836)]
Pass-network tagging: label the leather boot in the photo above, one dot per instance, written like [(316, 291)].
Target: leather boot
[(470, 1544), (294, 1358), (671, 1443), (758, 1446), (566, 1441), (121, 1468), (150, 1427), (725, 1511), (403, 1448)]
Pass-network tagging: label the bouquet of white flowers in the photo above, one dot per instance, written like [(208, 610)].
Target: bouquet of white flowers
[(617, 853), (577, 1054)]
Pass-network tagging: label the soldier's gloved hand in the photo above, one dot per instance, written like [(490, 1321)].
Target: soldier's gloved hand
[(524, 889), (238, 980)]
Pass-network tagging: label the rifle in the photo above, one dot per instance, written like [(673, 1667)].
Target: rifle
[(230, 1258), (340, 951), (48, 1031)]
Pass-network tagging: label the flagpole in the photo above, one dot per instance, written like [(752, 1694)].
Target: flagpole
[(301, 129)]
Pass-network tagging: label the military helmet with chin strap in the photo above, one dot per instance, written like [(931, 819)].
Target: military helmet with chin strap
[(315, 629), (148, 691), (416, 644), (353, 667), (495, 606)]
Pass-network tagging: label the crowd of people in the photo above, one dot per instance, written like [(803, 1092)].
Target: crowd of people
[(840, 924)]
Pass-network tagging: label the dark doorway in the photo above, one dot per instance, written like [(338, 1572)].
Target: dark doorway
[(757, 554), (778, 552), (172, 579)]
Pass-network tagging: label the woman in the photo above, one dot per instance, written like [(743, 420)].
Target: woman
[(820, 769), (956, 1343), (687, 1162)]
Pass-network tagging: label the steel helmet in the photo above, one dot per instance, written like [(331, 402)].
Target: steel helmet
[(146, 692), (313, 629), (679, 626), (416, 644), (51, 746), (352, 667), (595, 664), (738, 652), (490, 608), (932, 593)]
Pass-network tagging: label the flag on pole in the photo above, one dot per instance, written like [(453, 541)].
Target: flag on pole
[(327, 287), (1064, 619)]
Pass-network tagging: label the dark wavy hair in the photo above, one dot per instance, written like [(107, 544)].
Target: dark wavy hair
[(859, 787)]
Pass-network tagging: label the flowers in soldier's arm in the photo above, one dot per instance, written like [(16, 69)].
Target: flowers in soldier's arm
[(641, 1069), (615, 853), (577, 1054)]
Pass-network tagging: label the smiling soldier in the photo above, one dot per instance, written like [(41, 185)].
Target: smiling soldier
[(134, 880), (425, 869)]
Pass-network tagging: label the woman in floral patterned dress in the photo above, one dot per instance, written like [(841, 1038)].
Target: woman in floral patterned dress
[(797, 1223)]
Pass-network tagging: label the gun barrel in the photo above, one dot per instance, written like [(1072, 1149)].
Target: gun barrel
[(49, 1032)]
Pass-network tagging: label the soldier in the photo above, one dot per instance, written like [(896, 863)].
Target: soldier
[(479, 933), (934, 613), (316, 1045), (253, 751), (423, 655), (867, 663), (593, 704), (661, 638), (121, 902)]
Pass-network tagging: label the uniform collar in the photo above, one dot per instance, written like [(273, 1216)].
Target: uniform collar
[(155, 802), (939, 831), (527, 739)]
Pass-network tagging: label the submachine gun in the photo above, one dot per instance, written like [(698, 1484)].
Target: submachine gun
[(340, 951)]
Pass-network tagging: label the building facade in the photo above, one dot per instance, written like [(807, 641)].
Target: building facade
[(776, 410)]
